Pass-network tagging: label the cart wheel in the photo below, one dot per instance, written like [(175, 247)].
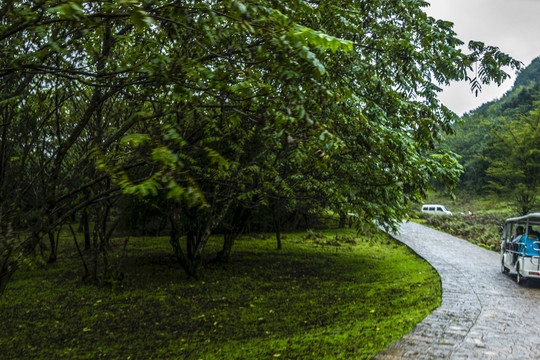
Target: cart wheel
[(520, 279), (504, 269)]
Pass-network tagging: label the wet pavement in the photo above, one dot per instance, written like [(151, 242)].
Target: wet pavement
[(484, 314)]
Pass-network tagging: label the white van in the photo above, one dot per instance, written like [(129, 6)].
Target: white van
[(436, 209)]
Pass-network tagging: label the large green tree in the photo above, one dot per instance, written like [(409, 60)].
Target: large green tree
[(219, 106), (353, 130)]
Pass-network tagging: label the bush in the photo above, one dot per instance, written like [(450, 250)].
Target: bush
[(481, 229)]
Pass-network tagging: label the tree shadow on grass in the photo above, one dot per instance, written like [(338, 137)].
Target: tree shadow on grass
[(260, 297)]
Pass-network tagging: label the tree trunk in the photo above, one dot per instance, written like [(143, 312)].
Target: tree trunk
[(5, 276), (225, 254), (276, 217), (10, 257), (86, 230), (342, 220), (278, 238), (52, 254), (86, 271), (237, 227)]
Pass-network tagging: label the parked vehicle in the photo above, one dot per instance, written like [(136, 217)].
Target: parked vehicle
[(520, 247), (436, 209)]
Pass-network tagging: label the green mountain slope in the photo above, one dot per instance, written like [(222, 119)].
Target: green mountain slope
[(474, 135), (531, 74), (519, 99)]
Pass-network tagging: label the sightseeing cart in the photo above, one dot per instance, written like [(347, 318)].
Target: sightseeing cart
[(520, 247)]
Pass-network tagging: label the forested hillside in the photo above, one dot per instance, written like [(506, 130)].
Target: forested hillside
[(499, 143)]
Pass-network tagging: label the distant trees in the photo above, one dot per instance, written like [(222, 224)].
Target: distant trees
[(529, 75), (498, 142), (514, 162), (209, 110)]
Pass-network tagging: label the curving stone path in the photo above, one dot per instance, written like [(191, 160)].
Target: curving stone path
[(484, 314)]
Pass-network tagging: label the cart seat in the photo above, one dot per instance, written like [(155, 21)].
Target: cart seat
[(531, 249)]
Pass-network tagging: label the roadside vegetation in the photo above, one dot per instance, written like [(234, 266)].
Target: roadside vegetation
[(326, 294), (481, 229)]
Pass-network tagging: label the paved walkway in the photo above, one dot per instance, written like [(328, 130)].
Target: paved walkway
[(484, 314)]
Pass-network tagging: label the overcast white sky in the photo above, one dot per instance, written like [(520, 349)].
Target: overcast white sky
[(511, 25)]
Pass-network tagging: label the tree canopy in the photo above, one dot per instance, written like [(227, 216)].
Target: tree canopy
[(210, 109)]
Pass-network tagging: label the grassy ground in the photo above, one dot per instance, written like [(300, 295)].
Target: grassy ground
[(327, 295)]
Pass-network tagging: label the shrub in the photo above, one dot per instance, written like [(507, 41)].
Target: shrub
[(481, 229)]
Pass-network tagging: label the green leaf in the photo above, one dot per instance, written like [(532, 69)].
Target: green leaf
[(69, 10), (141, 19), (216, 158), (240, 6), (135, 139)]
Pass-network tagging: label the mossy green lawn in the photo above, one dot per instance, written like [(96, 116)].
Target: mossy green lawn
[(310, 300)]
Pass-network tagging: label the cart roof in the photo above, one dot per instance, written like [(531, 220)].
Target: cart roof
[(533, 217)]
